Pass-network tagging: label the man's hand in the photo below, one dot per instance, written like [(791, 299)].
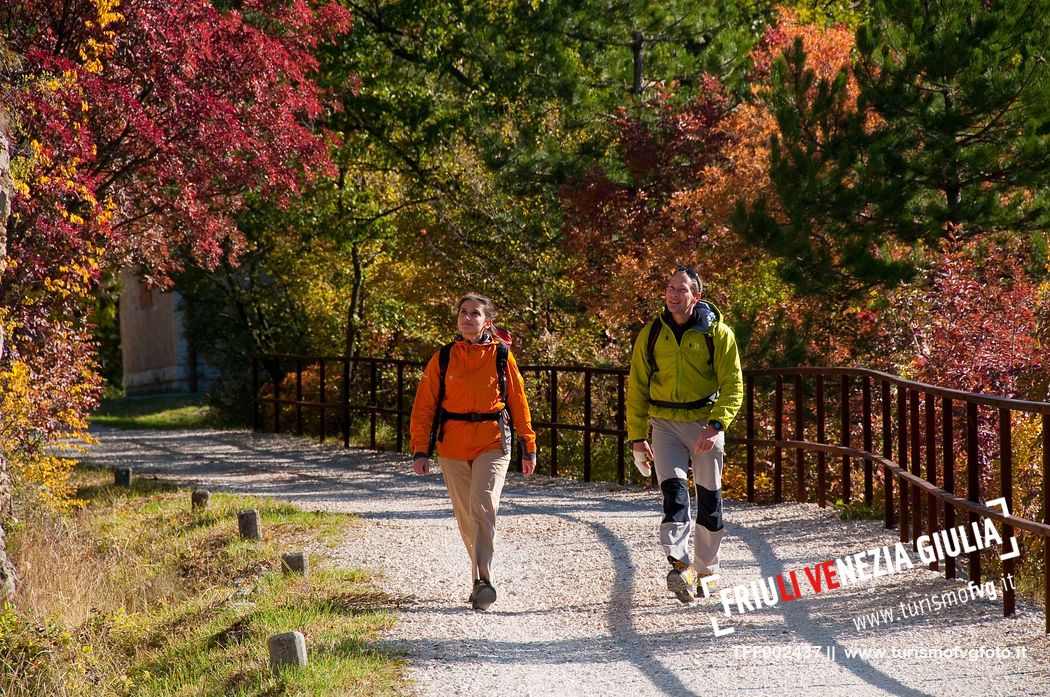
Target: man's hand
[(421, 465), (528, 466), (643, 457), (707, 439)]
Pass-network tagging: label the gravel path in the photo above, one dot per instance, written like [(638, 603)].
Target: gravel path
[(583, 609)]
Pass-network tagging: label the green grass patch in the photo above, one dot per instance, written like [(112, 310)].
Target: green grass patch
[(166, 412), (858, 510), (137, 594)]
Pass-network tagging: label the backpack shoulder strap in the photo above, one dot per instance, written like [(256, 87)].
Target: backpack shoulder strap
[(650, 346), (444, 356), (502, 352), (710, 348), (502, 356)]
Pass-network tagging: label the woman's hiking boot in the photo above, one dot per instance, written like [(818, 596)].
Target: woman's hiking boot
[(483, 595)]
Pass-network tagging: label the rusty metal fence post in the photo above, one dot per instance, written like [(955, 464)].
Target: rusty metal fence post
[(587, 425), (554, 421), (931, 466), (621, 426), (948, 465), (400, 406), (1006, 490), (800, 430), (916, 493), (866, 426), (298, 396), (973, 481), (345, 401), (750, 415), (902, 460), (889, 518), (822, 460), (778, 435), (844, 426)]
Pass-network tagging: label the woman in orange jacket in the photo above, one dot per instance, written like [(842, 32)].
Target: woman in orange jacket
[(469, 418)]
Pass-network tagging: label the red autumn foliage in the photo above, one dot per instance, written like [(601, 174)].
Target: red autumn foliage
[(976, 330), (614, 226), (137, 129), (187, 109)]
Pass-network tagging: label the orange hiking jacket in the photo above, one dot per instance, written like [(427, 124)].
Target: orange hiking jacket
[(471, 386)]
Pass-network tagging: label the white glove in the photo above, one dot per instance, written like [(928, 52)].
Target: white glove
[(641, 461)]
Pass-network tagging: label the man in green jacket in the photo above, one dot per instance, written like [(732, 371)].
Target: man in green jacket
[(686, 384)]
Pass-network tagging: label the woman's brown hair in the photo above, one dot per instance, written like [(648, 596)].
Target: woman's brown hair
[(497, 333), (486, 305)]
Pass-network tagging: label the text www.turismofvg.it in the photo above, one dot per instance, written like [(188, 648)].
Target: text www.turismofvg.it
[(935, 602)]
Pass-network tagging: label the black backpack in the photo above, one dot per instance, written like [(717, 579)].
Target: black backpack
[(654, 335), (437, 429)]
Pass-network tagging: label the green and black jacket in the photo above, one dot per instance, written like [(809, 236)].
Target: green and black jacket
[(685, 372)]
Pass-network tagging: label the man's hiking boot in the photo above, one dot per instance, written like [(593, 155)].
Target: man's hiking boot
[(483, 595), (708, 589), (681, 580)]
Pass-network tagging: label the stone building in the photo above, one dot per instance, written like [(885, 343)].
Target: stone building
[(156, 357)]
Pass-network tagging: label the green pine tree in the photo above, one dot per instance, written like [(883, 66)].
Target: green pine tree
[(949, 135)]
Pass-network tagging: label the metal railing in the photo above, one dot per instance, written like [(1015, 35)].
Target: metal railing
[(873, 415), (317, 386)]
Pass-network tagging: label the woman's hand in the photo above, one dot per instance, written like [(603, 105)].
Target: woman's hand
[(528, 466), (421, 465)]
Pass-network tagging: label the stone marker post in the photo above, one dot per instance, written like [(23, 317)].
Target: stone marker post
[(288, 649), (295, 563), (199, 499), (249, 525)]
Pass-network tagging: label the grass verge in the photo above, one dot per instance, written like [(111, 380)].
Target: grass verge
[(164, 412), (137, 594)]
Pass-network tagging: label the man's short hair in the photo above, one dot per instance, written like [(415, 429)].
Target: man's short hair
[(693, 276)]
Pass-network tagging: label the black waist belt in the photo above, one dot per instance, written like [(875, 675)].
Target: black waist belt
[(696, 404), (469, 416)]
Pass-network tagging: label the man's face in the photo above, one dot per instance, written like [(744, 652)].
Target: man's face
[(681, 294)]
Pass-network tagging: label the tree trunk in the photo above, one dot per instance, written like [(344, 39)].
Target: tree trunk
[(353, 312), (7, 571), (351, 346), (953, 187)]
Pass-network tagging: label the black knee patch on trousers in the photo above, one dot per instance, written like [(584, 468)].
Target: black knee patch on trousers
[(709, 508), (676, 500)]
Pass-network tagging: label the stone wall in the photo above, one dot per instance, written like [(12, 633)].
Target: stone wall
[(156, 357)]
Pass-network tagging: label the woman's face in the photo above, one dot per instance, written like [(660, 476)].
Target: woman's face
[(472, 321)]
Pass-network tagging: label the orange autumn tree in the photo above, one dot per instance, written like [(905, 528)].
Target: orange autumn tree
[(615, 221), (682, 162)]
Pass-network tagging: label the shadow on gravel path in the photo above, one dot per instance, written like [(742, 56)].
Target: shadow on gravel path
[(583, 609)]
